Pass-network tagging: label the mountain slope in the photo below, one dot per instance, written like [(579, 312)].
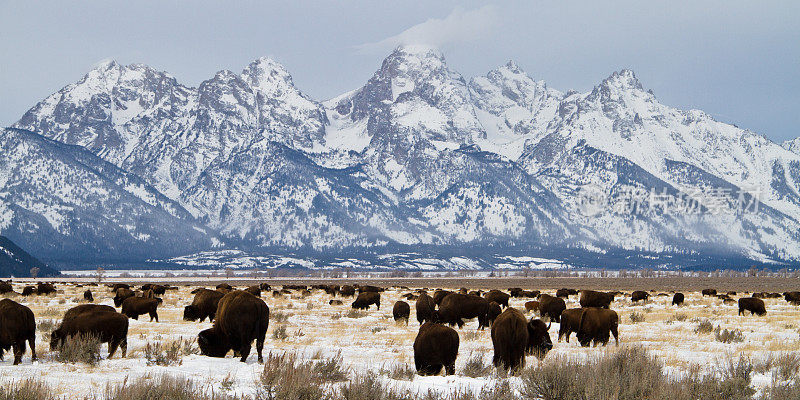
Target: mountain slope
[(63, 203), (15, 262)]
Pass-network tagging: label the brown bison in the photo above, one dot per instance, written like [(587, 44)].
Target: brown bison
[(709, 292), (457, 307), (752, 304), (5, 287), (117, 286), (497, 297), (531, 294), (593, 298), (347, 291), (365, 299), (77, 310), (121, 295), (204, 305), (532, 305), (435, 347), (401, 310), (439, 295), (45, 288), (515, 292), (570, 321), (677, 299), (29, 290), (792, 297), (513, 337), (335, 302), (564, 293), (368, 289), (110, 326), (133, 307), (241, 318), (552, 307), (87, 295), (494, 311), (425, 307), (639, 295), (17, 325), (255, 290), (595, 326)]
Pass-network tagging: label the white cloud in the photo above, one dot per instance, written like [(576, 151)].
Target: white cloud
[(460, 26)]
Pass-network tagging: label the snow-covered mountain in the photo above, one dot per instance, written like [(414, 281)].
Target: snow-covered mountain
[(420, 157), (792, 145)]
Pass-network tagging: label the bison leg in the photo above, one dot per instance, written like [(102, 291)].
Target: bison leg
[(245, 351), (112, 347), (32, 345), (19, 350), (153, 314), (450, 369), (615, 332)]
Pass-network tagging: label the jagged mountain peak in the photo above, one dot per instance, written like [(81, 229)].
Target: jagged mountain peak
[(792, 145), (267, 75)]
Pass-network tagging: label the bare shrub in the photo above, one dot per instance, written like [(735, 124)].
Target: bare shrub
[(367, 386), (637, 317), (471, 335), (279, 317), (728, 336), (353, 313), (628, 373), (399, 371), (46, 327), (189, 347), (787, 365), (163, 354), (279, 333), (28, 389), (704, 326), (286, 378), (160, 387), (376, 329), (475, 367), (679, 317), (81, 348), (778, 390), (731, 381)]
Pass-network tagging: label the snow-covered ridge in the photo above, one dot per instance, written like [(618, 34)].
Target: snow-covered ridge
[(421, 156)]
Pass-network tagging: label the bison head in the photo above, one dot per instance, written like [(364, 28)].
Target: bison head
[(212, 344), (539, 342), (55, 339), (190, 313)]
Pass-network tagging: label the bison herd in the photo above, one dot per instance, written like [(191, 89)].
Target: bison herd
[(241, 317)]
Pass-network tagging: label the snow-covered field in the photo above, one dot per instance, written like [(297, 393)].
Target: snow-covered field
[(373, 341)]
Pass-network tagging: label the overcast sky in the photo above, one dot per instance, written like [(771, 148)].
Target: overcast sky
[(737, 60)]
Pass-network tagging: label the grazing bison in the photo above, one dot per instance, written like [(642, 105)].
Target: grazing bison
[(116, 286), (752, 304), (677, 299), (335, 302), (401, 310), (570, 321), (593, 298), (77, 310), (110, 326), (255, 290), (5, 287), (497, 297), (510, 340), (425, 307), (539, 342), (439, 295), (204, 305), (133, 307), (224, 287), (457, 307), (87, 295), (241, 318), (552, 307), (792, 297), (639, 295), (531, 294), (121, 295), (29, 290), (478, 293), (369, 289), (564, 293), (17, 325), (532, 305), (435, 347), (265, 286), (709, 292), (494, 311), (365, 299), (595, 325), (515, 292), (347, 291)]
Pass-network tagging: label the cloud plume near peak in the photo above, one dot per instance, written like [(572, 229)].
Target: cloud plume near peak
[(459, 26)]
